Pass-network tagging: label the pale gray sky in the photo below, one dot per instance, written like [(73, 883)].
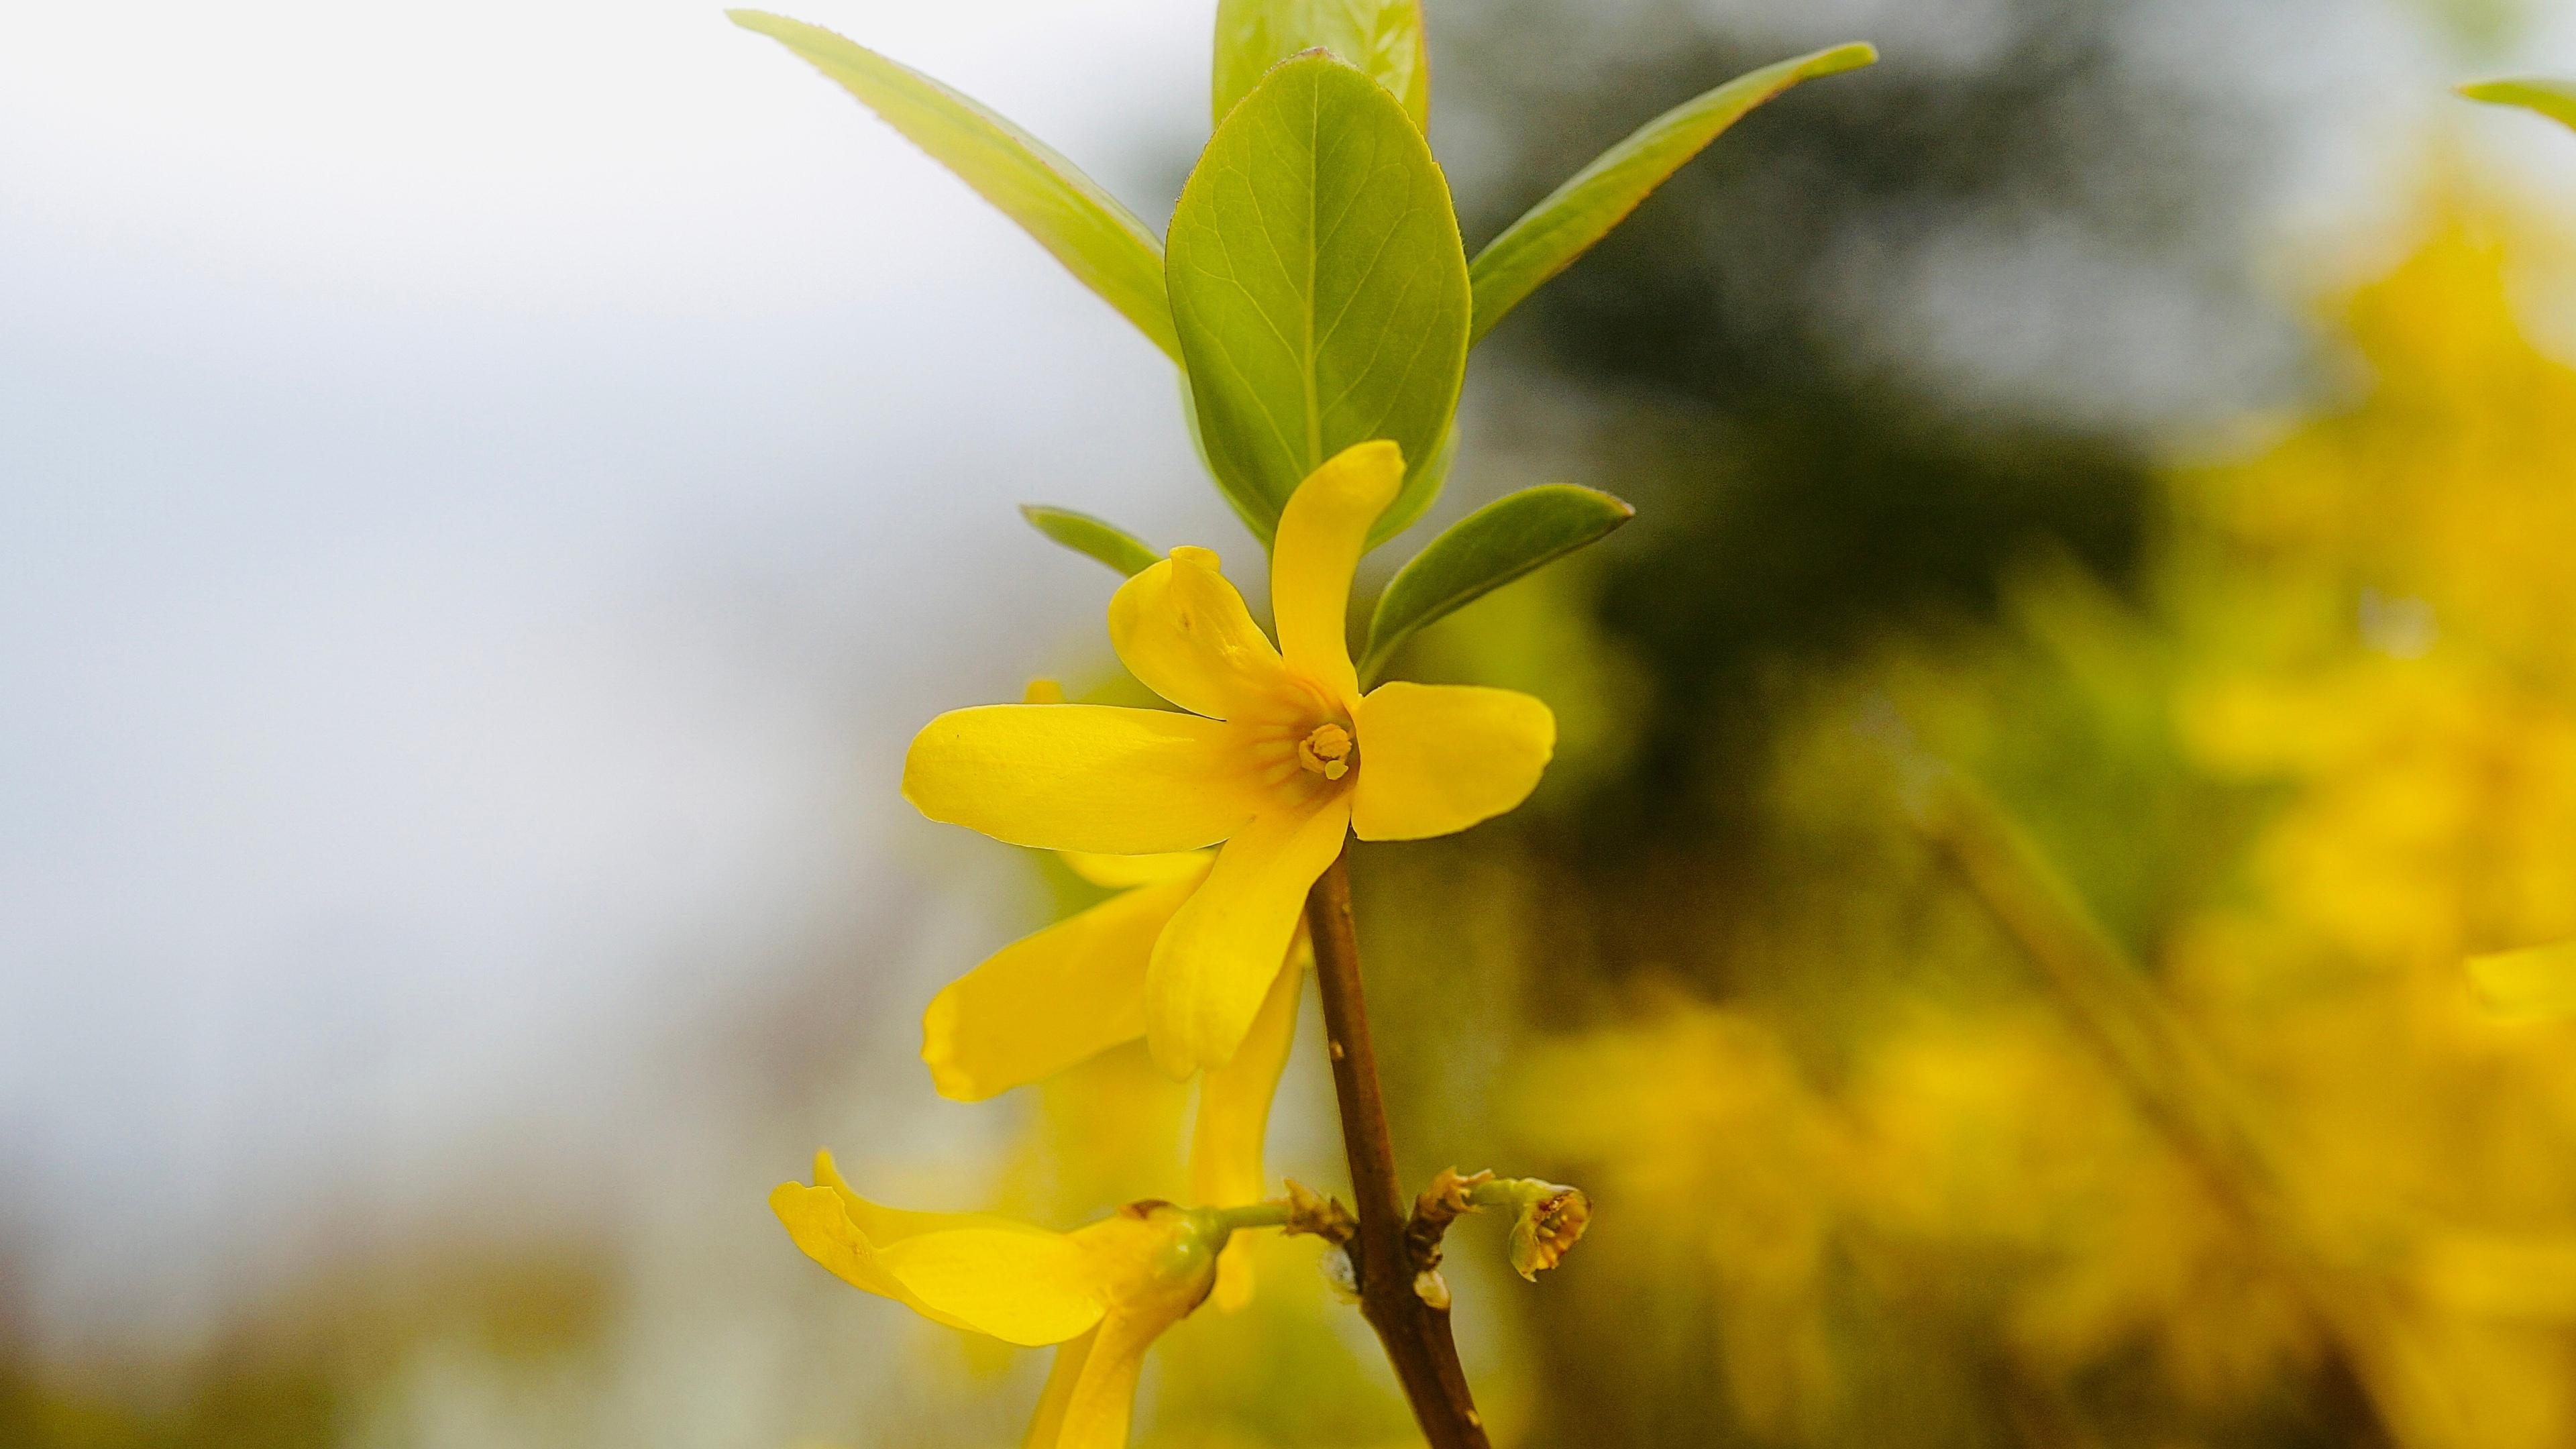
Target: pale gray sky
[(485, 491)]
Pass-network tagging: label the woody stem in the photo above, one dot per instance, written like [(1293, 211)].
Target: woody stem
[(1415, 1334)]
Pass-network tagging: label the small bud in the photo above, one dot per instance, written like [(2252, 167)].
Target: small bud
[(1432, 1289), (1550, 1222), (1341, 1273)]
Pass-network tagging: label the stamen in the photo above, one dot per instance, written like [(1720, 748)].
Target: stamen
[(1329, 751)]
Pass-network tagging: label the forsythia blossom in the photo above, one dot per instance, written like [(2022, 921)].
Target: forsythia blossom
[(1275, 754), (1104, 1292), (1047, 1001)]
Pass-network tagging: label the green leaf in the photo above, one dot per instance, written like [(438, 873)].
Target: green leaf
[(1382, 38), (1484, 551), (1098, 240), (2533, 984), (2555, 99), (1099, 538), (1319, 289), (1548, 238)]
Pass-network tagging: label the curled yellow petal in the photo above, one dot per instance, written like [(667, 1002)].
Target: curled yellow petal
[(1322, 533), (884, 1225), (1233, 1122), (1217, 959), (1081, 777), (1015, 1283), (1437, 757), (1185, 634), (1047, 1001)]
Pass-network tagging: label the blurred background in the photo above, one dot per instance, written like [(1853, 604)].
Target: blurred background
[(487, 492)]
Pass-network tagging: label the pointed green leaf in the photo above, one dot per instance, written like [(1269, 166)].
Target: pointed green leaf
[(1100, 241), (1096, 537), (2533, 984), (1484, 551), (1383, 38), (1548, 238), (2555, 99), (1318, 288)]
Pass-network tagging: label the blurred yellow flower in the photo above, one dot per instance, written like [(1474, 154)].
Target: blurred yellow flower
[(1103, 1292), (1278, 757)]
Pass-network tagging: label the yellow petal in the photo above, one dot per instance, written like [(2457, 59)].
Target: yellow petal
[(1017, 1284), (1234, 1100), (1023, 1288), (1234, 1122), (1081, 777), (884, 1226), (1043, 691), (1156, 1263), (1126, 872), (1216, 961), (1183, 631), (1322, 533), (1103, 1396), (1046, 1427), (820, 1224), (1438, 757), (1050, 1000)]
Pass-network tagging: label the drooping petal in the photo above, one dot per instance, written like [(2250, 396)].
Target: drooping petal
[(1184, 632), (1126, 872), (1081, 777), (1103, 1396), (1046, 1427), (1155, 1263), (1217, 959), (1025, 1288), (1322, 533), (1047, 1001), (1234, 1122), (1019, 1285), (1439, 757)]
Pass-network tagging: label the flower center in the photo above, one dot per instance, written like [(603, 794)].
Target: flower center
[(1329, 751)]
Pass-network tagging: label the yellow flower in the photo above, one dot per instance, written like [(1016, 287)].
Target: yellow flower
[(1077, 988), (1104, 1292), (1278, 758)]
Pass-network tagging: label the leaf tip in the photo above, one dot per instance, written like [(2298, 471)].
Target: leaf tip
[(1854, 56)]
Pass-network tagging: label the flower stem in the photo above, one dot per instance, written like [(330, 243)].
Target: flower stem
[(1415, 1334), (1253, 1215)]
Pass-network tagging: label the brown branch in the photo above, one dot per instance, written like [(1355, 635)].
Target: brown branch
[(1415, 1334)]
